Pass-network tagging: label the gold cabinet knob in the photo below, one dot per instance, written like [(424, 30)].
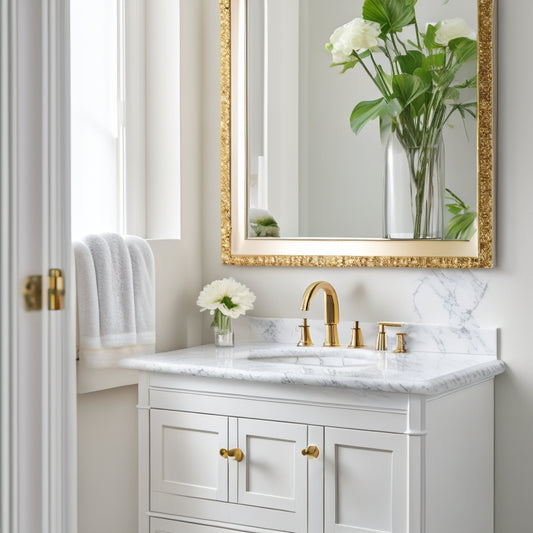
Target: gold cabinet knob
[(236, 453), (311, 451)]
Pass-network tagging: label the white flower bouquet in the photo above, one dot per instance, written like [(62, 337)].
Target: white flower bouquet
[(225, 299), (416, 74)]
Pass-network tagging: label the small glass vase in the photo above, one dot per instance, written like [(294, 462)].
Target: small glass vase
[(414, 189), (224, 332)]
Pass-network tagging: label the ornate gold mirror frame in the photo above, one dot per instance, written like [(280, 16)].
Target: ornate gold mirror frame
[(237, 249)]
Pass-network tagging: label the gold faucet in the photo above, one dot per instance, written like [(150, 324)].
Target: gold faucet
[(381, 341), (331, 309)]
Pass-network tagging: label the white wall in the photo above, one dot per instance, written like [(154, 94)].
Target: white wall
[(500, 297)]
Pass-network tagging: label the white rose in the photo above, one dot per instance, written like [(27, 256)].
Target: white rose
[(450, 29), (358, 35)]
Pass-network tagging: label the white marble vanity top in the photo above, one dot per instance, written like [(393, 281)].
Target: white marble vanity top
[(416, 372), (439, 359)]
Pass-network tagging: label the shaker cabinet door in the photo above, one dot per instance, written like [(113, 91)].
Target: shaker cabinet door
[(366, 482), (273, 473), (184, 454)]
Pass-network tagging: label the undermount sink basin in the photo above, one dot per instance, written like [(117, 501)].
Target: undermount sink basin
[(337, 357)]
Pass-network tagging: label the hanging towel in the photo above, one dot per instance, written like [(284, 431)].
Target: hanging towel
[(143, 273), (116, 298)]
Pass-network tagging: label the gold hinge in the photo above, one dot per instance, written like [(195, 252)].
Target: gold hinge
[(33, 290), (32, 293), (56, 291)]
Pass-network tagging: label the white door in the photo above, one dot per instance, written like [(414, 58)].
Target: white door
[(37, 389), (185, 454), (366, 483)]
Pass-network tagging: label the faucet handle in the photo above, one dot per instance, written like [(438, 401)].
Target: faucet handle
[(305, 335), (390, 324), (381, 341), (401, 347), (357, 337)]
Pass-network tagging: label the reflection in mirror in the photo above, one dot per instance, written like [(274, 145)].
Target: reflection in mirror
[(308, 172), (313, 120)]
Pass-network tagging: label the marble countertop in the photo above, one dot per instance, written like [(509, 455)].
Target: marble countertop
[(418, 372)]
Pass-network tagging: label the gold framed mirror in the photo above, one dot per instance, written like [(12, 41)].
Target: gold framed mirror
[(240, 246)]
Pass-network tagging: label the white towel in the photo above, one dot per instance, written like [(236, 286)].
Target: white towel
[(143, 269), (116, 298)]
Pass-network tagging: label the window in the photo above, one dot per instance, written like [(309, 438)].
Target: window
[(125, 117)]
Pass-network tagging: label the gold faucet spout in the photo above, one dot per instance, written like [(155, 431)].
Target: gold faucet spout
[(331, 309)]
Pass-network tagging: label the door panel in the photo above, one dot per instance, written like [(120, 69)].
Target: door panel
[(184, 451), (274, 472), (365, 482)]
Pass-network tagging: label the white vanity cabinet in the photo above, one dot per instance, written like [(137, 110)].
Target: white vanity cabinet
[(388, 462), (188, 475)]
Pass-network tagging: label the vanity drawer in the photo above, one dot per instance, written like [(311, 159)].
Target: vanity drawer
[(158, 525), (310, 405)]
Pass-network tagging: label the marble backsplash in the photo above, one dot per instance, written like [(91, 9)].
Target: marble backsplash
[(420, 337)]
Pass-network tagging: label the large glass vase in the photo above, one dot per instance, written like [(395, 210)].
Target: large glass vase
[(414, 189)]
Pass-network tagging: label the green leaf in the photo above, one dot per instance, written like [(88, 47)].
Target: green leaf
[(366, 111), (406, 88), (445, 77), (452, 94), (471, 83), (463, 49), (348, 64), (435, 61), (411, 61), (465, 108), (458, 202), (413, 44), (391, 15), (429, 37), (424, 75), (383, 81), (462, 226), (454, 209), (226, 301)]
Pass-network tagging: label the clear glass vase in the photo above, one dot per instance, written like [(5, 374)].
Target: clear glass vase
[(223, 332), (414, 189)]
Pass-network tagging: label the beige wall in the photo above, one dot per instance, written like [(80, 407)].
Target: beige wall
[(378, 294), (365, 294)]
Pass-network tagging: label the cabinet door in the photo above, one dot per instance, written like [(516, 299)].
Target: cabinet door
[(184, 454), (366, 482), (273, 473)]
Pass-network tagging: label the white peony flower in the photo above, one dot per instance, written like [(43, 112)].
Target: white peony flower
[(230, 297), (450, 29), (358, 35)]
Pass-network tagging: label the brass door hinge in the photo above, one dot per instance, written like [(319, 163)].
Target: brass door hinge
[(32, 293), (33, 290)]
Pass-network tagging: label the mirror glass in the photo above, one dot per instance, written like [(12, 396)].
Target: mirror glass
[(309, 169), (306, 167)]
